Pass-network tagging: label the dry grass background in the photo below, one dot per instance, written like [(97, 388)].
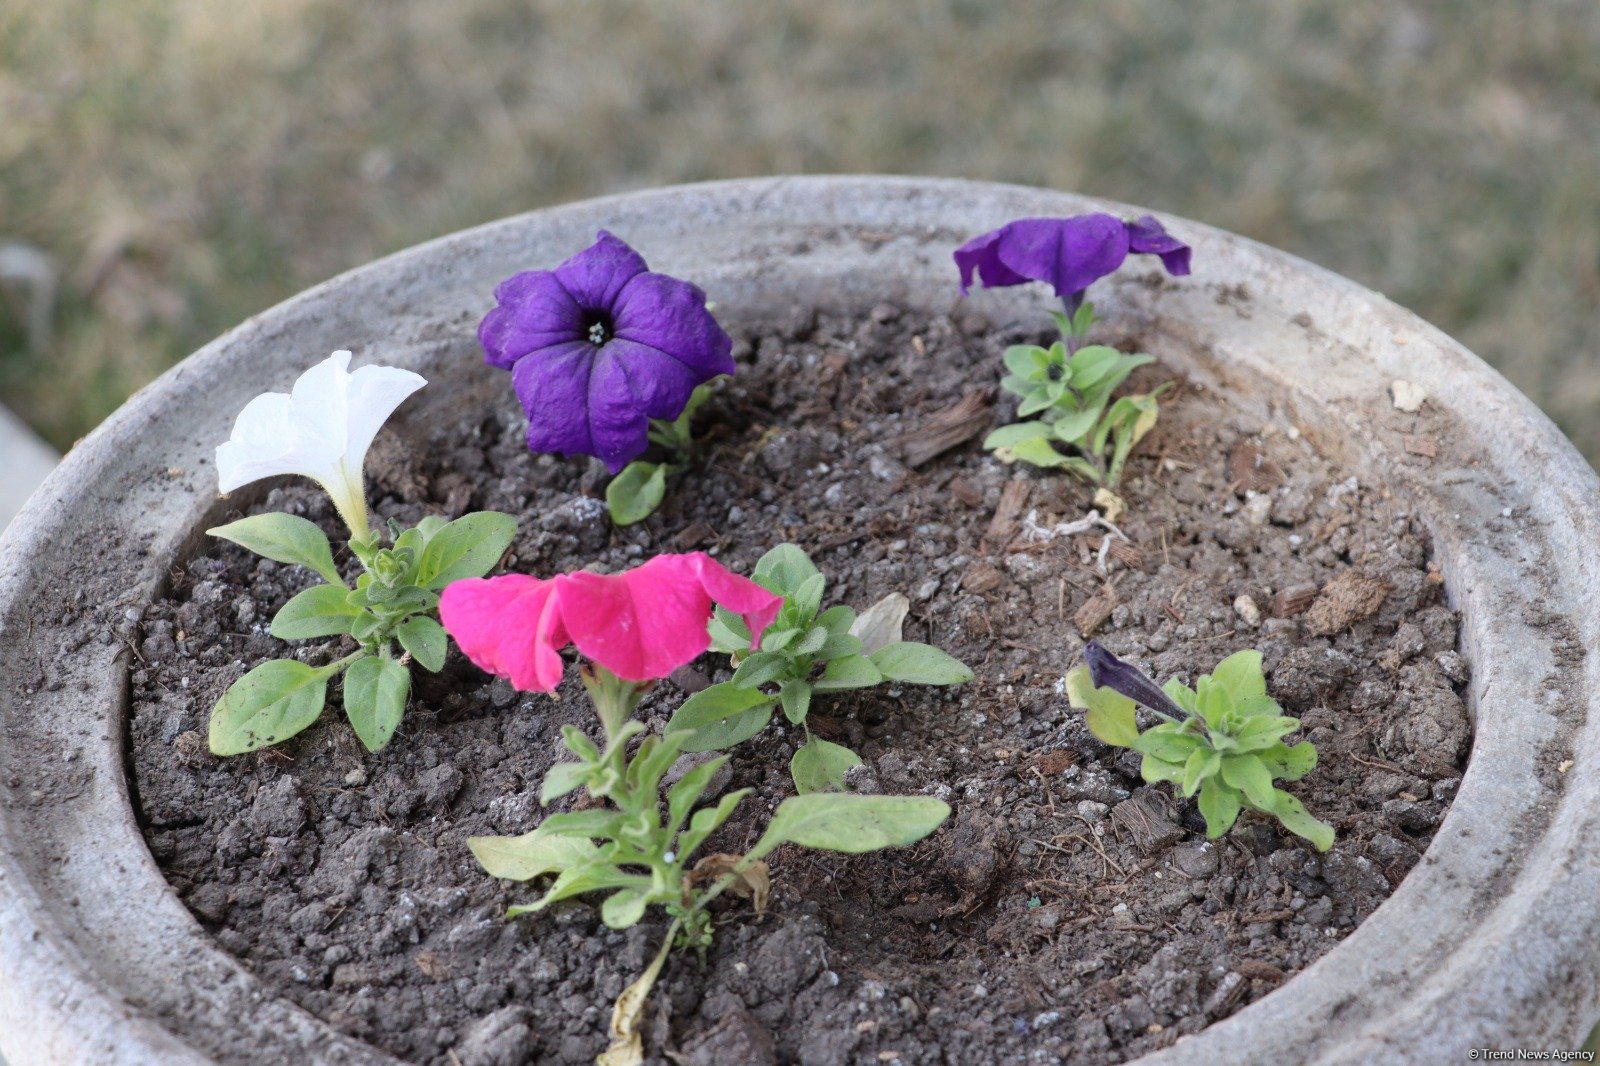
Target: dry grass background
[(190, 162)]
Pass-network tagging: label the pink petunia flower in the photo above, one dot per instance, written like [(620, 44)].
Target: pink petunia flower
[(641, 624)]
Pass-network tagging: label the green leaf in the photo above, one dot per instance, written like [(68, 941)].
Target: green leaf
[(1219, 805), (1036, 401), (1202, 765), (807, 599), (283, 538), (1014, 434), (728, 632), (1249, 775), (429, 525), (562, 778), (839, 646), (1290, 764), (633, 495), (1073, 426), (468, 547), (1026, 360), (1111, 715), (815, 640), (270, 704), (759, 668), (522, 858), (1166, 742), (1258, 734), (920, 664), (1241, 676), (850, 671), (685, 793), (595, 823), (720, 717), (707, 820), (784, 569), (319, 611), (576, 880), (623, 908), (1038, 452), (426, 641), (1297, 820), (1092, 363), (1016, 384), (837, 619), (1155, 770), (851, 823), (796, 699), (778, 639), (819, 765), (375, 691)]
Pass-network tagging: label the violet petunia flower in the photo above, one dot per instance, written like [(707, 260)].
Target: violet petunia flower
[(1108, 671), (1069, 253), (599, 346)]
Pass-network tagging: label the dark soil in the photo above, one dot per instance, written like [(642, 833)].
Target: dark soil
[(1066, 910)]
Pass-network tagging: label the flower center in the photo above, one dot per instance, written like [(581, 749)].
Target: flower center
[(598, 326)]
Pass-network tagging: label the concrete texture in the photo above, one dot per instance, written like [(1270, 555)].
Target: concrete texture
[(1487, 943), (25, 460)]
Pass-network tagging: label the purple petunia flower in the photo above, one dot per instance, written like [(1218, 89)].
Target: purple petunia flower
[(1070, 253), (1108, 671), (599, 346)]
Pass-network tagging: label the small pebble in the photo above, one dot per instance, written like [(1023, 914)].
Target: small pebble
[(1246, 608)]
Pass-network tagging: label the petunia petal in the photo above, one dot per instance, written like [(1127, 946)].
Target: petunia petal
[(1069, 253), (670, 315), (661, 383), (1146, 236), (374, 393), (318, 413), (618, 424), (535, 311), (596, 275), (756, 605), (553, 386), (509, 626), (981, 256), (261, 444)]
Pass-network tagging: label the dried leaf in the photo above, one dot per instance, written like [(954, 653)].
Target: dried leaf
[(752, 883), (627, 1043), (880, 625), (951, 427), (1109, 504)]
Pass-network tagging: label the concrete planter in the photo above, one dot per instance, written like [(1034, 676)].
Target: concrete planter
[(1489, 942)]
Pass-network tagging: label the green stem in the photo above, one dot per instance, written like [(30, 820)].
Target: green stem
[(614, 699)]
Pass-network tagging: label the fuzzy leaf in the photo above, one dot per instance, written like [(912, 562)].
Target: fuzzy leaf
[(1201, 765), (686, 791), (319, 611), (807, 599), (468, 547), (283, 538), (920, 664), (784, 569), (1249, 775), (729, 634), (635, 493), (819, 765), (562, 778), (1240, 675), (1290, 764), (851, 671), (1111, 715), (1219, 805), (1016, 433), (760, 668), (1258, 734), (1155, 770), (576, 880), (623, 908), (426, 641), (1167, 742), (707, 820), (853, 824), (1297, 820), (522, 858), (375, 691), (720, 717), (268, 705), (796, 699)]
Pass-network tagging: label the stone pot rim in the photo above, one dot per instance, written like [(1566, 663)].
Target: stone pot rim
[(1483, 945)]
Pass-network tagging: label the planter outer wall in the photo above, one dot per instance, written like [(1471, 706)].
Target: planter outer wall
[(1489, 941)]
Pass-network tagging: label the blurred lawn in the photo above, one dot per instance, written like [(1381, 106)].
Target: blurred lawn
[(188, 163)]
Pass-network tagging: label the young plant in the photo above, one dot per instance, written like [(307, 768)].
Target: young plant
[(807, 650), (1222, 739), (322, 430), (630, 846), (607, 356), (1069, 389), (1069, 386)]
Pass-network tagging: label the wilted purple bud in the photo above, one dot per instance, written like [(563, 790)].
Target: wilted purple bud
[(1069, 253), (599, 346), (1108, 671)]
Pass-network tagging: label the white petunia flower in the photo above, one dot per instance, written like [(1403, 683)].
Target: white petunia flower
[(321, 429)]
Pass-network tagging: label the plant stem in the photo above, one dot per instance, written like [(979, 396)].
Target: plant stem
[(614, 699)]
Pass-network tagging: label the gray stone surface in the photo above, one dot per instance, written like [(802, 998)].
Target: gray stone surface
[(1489, 942), (25, 461)]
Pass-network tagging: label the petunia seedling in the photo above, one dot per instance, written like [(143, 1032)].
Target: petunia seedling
[(606, 357), (1222, 739), (806, 651), (635, 628), (1065, 390), (322, 430)]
